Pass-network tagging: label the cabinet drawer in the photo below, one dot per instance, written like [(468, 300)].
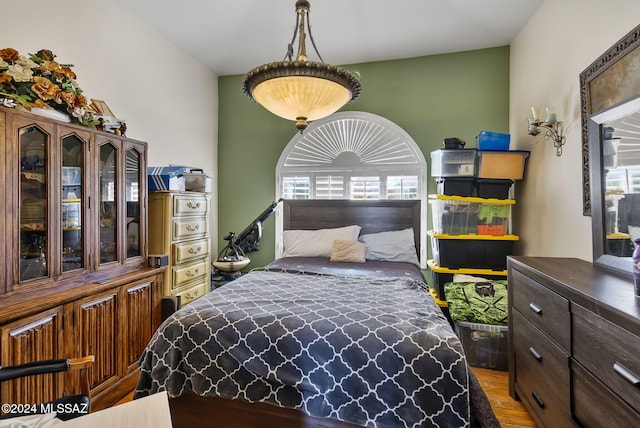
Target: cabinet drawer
[(190, 205), (190, 272), (184, 228), (542, 372), (546, 309), (551, 362), (595, 406), (185, 251), (190, 293), (609, 352)]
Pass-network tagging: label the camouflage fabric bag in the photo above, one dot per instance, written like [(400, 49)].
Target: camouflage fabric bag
[(482, 302)]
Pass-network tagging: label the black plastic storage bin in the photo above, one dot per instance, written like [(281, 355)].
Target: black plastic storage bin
[(456, 186), (493, 188), (442, 275), (473, 253)]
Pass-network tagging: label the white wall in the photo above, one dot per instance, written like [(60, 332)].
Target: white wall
[(167, 98), (558, 43)]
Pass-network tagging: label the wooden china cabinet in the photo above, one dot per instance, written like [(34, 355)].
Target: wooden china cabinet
[(74, 280)]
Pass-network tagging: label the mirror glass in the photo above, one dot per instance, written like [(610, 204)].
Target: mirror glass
[(618, 180)]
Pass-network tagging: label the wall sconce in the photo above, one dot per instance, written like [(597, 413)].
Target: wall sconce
[(549, 129)]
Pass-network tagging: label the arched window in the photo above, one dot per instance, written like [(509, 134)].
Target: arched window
[(351, 155)]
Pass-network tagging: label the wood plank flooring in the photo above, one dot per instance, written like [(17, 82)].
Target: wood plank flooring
[(510, 413)]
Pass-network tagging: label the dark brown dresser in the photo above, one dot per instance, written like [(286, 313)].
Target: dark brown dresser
[(574, 343)]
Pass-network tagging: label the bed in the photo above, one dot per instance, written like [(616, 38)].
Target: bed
[(308, 341)]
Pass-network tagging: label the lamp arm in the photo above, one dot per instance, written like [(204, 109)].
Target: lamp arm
[(249, 238)]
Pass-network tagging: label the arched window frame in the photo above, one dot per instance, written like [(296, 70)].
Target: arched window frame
[(352, 144)]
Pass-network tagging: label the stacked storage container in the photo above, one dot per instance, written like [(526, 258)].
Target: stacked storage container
[(471, 235)]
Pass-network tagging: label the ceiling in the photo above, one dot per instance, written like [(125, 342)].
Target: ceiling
[(233, 36)]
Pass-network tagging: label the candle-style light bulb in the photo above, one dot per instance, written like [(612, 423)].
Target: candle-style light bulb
[(535, 112), (550, 118), (533, 129)]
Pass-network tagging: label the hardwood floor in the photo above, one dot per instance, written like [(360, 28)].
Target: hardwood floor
[(510, 413)]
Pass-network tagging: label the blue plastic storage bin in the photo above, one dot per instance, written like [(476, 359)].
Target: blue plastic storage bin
[(493, 141)]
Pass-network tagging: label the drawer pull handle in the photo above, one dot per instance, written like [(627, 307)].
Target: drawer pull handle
[(194, 273), (538, 399), (193, 206), (535, 309), (194, 250), (627, 374), (193, 227), (535, 354)]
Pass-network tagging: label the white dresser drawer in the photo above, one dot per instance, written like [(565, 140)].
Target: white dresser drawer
[(185, 251), (190, 205), (189, 228), (190, 272), (190, 292)]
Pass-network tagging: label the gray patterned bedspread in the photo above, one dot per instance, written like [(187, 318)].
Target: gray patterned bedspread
[(374, 351)]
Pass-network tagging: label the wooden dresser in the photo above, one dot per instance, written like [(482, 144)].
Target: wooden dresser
[(574, 343), (179, 227)]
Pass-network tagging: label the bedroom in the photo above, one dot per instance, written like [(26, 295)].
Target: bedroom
[(530, 72)]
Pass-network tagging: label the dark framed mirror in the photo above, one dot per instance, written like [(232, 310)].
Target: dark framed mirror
[(610, 98)]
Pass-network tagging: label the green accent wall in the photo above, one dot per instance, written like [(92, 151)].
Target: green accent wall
[(430, 97)]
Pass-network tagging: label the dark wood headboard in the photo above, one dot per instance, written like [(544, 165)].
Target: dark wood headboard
[(372, 215)]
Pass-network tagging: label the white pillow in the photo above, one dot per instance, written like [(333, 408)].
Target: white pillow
[(393, 246), (316, 243)]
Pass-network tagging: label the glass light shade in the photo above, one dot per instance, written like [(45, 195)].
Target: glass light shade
[(301, 90), (301, 96)]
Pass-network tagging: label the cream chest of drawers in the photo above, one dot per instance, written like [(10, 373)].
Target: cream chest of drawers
[(574, 342), (179, 227)]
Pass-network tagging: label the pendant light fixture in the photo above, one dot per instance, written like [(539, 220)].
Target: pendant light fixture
[(298, 89)]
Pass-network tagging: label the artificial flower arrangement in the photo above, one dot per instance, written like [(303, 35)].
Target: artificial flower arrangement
[(39, 81)]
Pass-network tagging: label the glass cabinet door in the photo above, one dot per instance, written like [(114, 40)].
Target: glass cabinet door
[(34, 223), (73, 171), (132, 190), (108, 206)]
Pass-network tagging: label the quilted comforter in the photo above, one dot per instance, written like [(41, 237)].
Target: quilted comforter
[(370, 350)]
